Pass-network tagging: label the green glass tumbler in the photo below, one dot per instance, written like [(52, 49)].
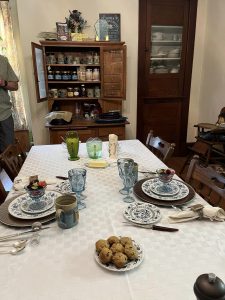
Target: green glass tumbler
[(72, 144), (94, 148)]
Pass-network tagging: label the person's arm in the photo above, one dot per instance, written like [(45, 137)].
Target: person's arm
[(9, 85)]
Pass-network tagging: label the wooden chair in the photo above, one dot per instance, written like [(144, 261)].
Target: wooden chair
[(162, 149), (209, 150), (3, 192), (207, 182), (12, 159)]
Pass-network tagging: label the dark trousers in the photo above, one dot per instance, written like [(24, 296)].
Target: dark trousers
[(6, 133)]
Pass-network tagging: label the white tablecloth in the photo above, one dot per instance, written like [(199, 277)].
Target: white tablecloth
[(63, 267)]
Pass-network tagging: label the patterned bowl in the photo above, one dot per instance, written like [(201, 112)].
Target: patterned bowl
[(35, 194)]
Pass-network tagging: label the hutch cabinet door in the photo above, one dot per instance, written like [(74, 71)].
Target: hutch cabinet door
[(114, 72), (166, 43), (39, 72)]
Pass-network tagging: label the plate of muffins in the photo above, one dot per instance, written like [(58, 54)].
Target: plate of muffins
[(118, 253)]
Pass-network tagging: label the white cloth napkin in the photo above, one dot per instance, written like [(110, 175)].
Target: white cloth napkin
[(208, 212), (20, 182)]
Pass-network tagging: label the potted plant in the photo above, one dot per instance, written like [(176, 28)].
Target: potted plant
[(75, 22)]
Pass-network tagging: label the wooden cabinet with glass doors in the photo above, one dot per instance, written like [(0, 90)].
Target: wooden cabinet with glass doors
[(165, 55), (84, 78)]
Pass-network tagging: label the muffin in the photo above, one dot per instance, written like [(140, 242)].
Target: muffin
[(105, 255), (113, 239), (117, 247), (131, 251), (101, 244), (124, 240), (119, 259)]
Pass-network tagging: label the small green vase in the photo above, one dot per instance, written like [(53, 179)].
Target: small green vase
[(72, 144)]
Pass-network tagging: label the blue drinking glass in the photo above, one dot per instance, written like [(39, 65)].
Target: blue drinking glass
[(77, 179)]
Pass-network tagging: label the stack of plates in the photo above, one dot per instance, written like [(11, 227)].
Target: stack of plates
[(22, 210), (150, 190)]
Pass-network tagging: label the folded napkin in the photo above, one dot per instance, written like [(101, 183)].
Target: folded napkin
[(198, 212), (20, 182)]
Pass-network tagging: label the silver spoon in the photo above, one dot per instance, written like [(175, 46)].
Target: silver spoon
[(17, 244), (13, 251)]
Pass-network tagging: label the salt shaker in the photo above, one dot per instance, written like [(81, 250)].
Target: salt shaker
[(209, 287)]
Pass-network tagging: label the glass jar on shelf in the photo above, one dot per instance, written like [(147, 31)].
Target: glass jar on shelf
[(50, 75), (65, 75), (89, 75), (97, 92), (74, 76), (96, 75), (58, 75), (76, 91), (83, 91), (96, 58), (89, 58), (82, 74), (60, 58), (70, 92)]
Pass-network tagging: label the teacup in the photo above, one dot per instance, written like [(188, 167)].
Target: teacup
[(67, 214)]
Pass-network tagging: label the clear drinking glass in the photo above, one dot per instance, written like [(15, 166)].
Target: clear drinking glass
[(165, 177), (77, 179), (94, 148), (127, 172)]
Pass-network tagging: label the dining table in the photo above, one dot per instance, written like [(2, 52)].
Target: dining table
[(63, 265)]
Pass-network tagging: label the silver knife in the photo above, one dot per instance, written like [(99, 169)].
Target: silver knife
[(6, 237), (153, 227)]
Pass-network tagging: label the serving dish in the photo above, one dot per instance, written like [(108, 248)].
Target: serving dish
[(129, 266)]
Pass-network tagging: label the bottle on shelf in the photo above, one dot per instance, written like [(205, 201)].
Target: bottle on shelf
[(74, 76), (83, 91), (76, 91), (89, 74), (58, 75), (96, 59), (96, 75), (50, 75), (65, 75), (70, 92)]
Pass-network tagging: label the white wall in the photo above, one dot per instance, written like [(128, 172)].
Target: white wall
[(207, 89)]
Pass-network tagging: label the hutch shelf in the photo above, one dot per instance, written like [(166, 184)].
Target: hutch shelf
[(85, 78)]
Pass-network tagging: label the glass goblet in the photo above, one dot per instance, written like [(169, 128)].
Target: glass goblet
[(72, 144), (120, 162), (128, 174), (165, 176), (77, 179)]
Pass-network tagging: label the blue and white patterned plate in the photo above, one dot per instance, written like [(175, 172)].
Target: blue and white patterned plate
[(129, 266), (158, 188), (33, 207), (142, 213), (16, 211), (183, 190), (64, 187)]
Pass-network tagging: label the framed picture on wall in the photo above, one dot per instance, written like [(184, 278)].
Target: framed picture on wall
[(113, 21)]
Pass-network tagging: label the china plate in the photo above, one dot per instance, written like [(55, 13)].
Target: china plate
[(64, 187), (183, 190), (156, 187), (142, 213), (28, 205), (15, 210), (129, 266)]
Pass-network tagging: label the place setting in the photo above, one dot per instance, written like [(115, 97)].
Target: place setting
[(163, 189), (36, 203)]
